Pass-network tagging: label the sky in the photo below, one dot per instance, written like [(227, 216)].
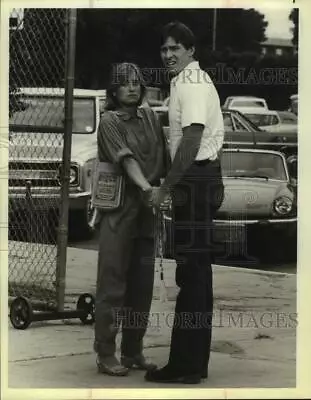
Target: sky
[(279, 24)]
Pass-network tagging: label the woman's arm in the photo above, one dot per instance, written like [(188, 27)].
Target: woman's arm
[(135, 173)]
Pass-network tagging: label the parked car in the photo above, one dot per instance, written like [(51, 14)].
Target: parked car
[(35, 150), (162, 111), (245, 101), (288, 117), (268, 120), (233, 121), (293, 103), (242, 132), (260, 197)]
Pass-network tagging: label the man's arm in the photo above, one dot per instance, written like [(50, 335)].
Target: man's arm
[(185, 154)]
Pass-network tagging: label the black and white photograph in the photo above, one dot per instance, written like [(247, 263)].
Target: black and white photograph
[(150, 212)]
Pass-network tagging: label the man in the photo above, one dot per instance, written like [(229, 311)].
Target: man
[(196, 138)]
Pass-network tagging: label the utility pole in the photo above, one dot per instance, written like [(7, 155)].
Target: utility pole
[(214, 28), (71, 21)]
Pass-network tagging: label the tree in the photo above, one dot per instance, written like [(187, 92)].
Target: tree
[(240, 29), (294, 17), (108, 36)]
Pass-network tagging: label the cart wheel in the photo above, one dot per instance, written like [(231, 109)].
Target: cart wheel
[(86, 303), (21, 313)]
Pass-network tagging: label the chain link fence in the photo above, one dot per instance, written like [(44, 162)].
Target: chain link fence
[(36, 133)]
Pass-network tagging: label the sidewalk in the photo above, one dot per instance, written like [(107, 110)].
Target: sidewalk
[(254, 335)]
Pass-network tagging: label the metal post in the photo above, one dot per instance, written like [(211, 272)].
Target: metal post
[(214, 29), (63, 219)]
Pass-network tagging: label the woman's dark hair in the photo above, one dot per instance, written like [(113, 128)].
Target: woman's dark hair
[(120, 74), (180, 33)]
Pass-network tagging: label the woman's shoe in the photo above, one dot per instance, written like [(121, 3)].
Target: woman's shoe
[(137, 362), (111, 366)]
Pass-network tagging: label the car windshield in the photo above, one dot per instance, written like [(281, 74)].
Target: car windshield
[(253, 165), (228, 117), (47, 113), (247, 103), (262, 119)]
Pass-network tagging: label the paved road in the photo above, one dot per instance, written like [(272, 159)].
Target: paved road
[(267, 259), (253, 344), (261, 255)]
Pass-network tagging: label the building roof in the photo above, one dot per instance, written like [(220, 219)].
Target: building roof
[(278, 42)]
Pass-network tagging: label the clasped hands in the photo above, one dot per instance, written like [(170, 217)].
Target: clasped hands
[(158, 198)]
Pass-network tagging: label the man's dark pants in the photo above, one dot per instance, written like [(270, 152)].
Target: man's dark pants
[(195, 200)]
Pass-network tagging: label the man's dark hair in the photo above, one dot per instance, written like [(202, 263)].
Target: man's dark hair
[(119, 75), (180, 33)]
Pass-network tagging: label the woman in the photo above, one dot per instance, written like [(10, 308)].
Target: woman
[(131, 137)]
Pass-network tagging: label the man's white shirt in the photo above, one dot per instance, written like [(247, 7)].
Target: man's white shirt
[(194, 100)]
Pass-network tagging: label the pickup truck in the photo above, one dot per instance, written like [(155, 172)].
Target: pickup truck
[(36, 133)]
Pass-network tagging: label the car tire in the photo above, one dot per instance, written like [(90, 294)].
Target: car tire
[(290, 247)]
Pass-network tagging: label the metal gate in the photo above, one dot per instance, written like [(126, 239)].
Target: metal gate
[(41, 81)]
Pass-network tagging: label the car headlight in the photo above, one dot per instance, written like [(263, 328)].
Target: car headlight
[(283, 205), (73, 175)]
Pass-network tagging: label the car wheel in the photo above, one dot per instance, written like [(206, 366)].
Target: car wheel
[(289, 246)]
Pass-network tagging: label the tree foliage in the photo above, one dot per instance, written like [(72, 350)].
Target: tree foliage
[(113, 35), (108, 36), (294, 17), (274, 78), (37, 52)]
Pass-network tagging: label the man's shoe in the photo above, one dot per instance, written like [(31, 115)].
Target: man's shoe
[(167, 375), (137, 362), (111, 366), (204, 375)]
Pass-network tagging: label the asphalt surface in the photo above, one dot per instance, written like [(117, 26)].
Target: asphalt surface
[(253, 339), (263, 251), (259, 256)]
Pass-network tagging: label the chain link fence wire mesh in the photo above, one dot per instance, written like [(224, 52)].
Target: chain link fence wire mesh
[(36, 118)]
